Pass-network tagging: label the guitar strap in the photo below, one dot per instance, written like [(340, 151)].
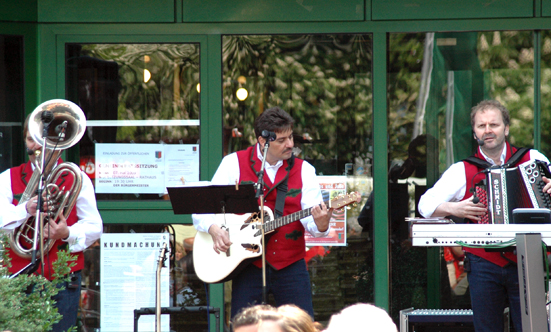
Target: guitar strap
[(282, 189)]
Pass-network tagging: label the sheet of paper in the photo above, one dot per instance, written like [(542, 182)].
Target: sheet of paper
[(129, 264)]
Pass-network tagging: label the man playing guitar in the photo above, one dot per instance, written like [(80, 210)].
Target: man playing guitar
[(286, 275)]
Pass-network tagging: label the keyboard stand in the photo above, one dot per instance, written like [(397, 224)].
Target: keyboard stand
[(531, 284)]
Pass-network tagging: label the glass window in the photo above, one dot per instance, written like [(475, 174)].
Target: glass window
[(134, 93), (545, 93), (324, 83), (11, 101), (434, 81), (138, 93)]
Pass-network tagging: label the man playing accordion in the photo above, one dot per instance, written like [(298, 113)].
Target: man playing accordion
[(492, 276)]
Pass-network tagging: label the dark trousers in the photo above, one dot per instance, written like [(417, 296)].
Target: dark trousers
[(67, 303), (493, 288), (290, 285)]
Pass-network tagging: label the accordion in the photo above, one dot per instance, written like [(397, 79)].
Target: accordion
[(506, 189)]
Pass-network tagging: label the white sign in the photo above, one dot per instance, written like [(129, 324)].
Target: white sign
[(128, 275), (145, 168), (331, 187), (181, 164)]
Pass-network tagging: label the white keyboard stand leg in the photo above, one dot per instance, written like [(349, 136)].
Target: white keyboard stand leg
[(531, 285)]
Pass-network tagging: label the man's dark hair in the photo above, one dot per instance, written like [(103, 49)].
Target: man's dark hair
[(273, 119), (486, 105), (26, 126)]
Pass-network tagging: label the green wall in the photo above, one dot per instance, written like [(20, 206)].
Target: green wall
[(47, 24)]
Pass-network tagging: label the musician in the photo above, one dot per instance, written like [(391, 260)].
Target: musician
[(80, 230), (492, 276), (286, 275)]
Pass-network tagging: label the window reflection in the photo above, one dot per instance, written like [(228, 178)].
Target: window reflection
[(434, 80), (545, 93), (324, 83), (11, 101), (134, 93)]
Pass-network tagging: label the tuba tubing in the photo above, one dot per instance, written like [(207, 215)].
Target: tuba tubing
[(58, 200)]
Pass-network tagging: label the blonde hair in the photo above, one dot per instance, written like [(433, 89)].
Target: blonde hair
[(253, 315), (294, 319), (289, 318)]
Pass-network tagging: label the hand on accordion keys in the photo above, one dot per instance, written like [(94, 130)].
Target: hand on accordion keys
[(463, 209), (547, 187)]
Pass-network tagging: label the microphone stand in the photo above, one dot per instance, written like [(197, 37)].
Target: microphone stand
[(260, 194), (38, 224)]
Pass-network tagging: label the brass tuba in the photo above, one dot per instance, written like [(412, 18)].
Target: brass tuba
[(58, 200)]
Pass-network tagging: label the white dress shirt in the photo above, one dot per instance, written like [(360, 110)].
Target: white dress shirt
[(228, 173), (452, 185), (82, 234)]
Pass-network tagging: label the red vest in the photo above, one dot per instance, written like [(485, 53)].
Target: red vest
[(286, 244), (470, 171), (20, 176)]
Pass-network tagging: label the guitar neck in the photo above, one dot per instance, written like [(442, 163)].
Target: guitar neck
[(282, 221)]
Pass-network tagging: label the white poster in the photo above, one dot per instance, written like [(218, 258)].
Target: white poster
[(144, 168), (128, 273), (332, 187), (181, 164)]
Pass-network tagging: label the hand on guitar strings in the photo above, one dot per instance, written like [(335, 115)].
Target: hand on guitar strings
[(220, 238), (322, 216)]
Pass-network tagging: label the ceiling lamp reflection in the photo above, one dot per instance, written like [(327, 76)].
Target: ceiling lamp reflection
[(146, 75), (241, 94)]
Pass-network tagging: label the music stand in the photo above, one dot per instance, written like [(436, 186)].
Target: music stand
[(213, 199)]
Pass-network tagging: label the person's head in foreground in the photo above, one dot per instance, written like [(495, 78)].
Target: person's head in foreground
[(361, 317), (265, 318)]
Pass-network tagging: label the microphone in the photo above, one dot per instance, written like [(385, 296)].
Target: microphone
[(478, 140), (47, 116), (476, 200), (30, 152), (268, 135)]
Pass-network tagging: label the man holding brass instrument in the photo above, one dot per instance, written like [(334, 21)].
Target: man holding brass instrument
[(78, 223)]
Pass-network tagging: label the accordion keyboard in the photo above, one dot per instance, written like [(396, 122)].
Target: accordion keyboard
[(532, 173)]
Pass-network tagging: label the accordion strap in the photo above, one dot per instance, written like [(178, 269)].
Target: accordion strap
[(483, 164)]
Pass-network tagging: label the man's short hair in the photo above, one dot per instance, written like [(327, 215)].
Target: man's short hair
[(486, 105), (273, 119)]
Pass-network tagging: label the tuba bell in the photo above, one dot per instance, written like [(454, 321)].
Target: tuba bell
[(69, 116)]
